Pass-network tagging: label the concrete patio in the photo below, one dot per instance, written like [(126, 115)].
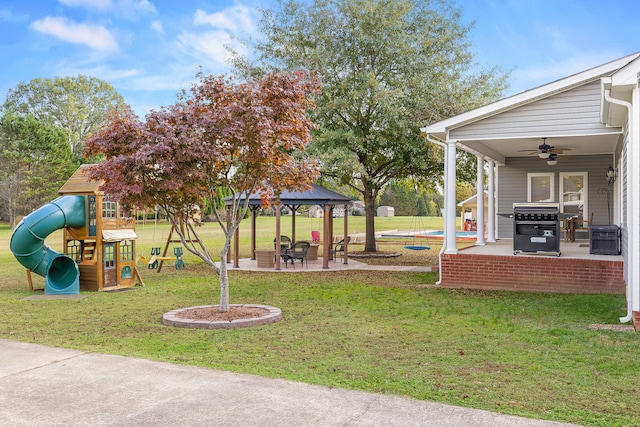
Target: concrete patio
[(247, 264)]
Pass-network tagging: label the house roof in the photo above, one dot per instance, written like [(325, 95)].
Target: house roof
[(576, 129), (471, 201), (439, 129), (316, 195), (79, 182)]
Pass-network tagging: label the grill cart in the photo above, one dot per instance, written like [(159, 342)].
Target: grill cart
[(536, 227)]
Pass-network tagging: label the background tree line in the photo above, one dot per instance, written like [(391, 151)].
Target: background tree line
[(388, 67), (43, 126)]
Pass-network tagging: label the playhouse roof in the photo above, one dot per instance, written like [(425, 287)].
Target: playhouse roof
[(80, 183)]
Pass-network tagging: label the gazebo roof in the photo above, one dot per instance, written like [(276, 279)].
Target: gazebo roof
[(316, 195)]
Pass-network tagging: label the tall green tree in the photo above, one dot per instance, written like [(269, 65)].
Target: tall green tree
[(35, 160), (76, 105), (388, 68)]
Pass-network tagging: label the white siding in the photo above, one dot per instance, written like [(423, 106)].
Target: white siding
[(576, 111)]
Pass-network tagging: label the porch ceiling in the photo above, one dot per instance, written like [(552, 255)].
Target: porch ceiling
[(499, 149)]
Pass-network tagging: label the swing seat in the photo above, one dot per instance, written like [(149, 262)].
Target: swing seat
[(417, 247)]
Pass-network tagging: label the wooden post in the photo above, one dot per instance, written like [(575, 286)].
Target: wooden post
[(345, 256), (293, 222), (29, 280), (326, 229), (253, 231), (228, 223), (236, 248), (277, 244), (166, 248)]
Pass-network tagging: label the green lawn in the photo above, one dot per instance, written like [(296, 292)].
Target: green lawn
[(518, 353)]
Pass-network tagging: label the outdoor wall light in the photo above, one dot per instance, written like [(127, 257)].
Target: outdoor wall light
[(611, 175)]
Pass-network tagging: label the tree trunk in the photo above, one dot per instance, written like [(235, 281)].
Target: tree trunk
[(370, 230), (12, 214), (224, 279)]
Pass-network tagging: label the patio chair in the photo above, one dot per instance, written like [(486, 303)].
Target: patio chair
[(285, 243), (585, 224), (297, 251), (338, 249)]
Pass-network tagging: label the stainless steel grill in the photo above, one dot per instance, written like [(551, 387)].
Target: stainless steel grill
[(536, 227)]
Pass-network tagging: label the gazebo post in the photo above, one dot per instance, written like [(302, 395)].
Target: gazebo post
[(236, 248), (253, 232), (293, 208), (345, 257), (228, 224), (326, 229), (277, 244)]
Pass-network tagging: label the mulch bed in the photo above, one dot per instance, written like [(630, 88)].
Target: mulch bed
[(213, 313)]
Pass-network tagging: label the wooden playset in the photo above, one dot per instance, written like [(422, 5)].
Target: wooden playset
[(105, 247)]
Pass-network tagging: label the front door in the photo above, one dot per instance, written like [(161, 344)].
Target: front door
[(109, 265)]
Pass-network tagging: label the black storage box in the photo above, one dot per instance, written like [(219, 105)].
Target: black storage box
[(604, 240)]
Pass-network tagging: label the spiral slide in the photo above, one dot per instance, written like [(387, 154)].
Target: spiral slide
[(61, 273)]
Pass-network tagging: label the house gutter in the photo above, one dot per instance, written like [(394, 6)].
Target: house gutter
[(629, 107), (444, 237)]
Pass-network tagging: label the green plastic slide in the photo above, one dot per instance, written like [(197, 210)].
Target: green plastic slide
[(27, 243)]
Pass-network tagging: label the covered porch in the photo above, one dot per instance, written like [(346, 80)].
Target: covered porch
[(572, 143), (494, 267)]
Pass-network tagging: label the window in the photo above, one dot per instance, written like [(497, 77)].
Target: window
[(540, 187), (109, 256), (573, 190), (108, 208), (74, 250), (92, 215), (126, 250)]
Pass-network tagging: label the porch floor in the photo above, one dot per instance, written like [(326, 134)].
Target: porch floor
[(577, 249)]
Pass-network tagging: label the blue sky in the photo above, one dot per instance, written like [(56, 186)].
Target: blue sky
[(150, 49)]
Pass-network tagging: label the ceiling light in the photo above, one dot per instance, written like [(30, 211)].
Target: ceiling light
[(545, 149), (552, 160)]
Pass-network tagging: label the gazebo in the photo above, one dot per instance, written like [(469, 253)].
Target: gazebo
[(316, 195)]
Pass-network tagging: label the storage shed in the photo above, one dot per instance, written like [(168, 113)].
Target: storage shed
[(386, 211)]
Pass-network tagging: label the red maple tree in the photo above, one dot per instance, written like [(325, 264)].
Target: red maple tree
[(221, 137)]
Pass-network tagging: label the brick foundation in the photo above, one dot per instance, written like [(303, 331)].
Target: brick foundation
[(533, 274), (636, 320)]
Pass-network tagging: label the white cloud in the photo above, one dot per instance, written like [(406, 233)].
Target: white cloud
[(8, 15), (140, 6), (122, 6), (95, 36), (232, 19), (157, 27), (95, 4), (210, 46)]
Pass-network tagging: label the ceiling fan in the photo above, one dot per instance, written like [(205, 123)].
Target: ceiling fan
[(546, 151)]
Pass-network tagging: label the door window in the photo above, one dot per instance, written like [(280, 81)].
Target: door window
[(573, 190)]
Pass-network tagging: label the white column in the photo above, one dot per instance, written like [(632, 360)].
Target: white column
[(491, 221), (633, 195), (480, 202), (450, 199)]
